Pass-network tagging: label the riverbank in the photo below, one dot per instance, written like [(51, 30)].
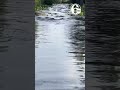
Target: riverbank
[(39, 12), (44, 4), (39, 5)]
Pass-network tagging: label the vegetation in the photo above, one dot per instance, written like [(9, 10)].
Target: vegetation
[(39, 5), (82, 10), (42, 4)]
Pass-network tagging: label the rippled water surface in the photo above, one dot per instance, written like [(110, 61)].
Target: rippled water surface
[(59, 51), (103, 45), (16, 44)]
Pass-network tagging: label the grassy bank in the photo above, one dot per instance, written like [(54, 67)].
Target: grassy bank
[(39, 5), (42, 4), (82, 10)]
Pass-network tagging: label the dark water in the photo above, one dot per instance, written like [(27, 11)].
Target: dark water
[(16, 44), (3, 37), (59, 51), (103, 45)]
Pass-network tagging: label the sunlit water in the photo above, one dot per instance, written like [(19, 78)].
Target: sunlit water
[(59, 51)]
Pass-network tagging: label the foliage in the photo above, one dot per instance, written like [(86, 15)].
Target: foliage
[(82, 10), (42, 4), (37, 4)]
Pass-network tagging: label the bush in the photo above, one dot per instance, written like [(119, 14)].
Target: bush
[(48, 2)]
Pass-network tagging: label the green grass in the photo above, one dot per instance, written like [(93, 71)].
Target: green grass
[(43, 4), (39, 5), (82, 11)]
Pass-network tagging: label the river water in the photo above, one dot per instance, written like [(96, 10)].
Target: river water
[(102, 45), (59, 51), (60, 47)]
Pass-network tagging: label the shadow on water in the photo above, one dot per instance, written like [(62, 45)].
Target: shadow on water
[(3, 38), (77, 42), (103, 47), (16, 44)]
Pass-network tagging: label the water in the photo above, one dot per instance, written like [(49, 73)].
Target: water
[(59, 63), (63, 68), (17, 44), (102, 45)]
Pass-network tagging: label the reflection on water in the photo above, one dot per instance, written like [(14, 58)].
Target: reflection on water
[(102, 47), (59, 50)]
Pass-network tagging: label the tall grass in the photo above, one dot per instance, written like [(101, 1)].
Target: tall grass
[(37, 4), (41, 4), (82, 10)]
